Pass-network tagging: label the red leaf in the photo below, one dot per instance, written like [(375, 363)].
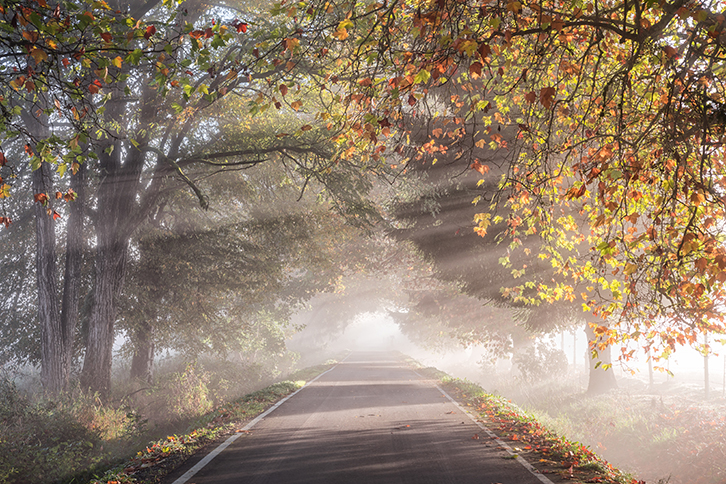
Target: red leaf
[(411, 99), (530, 97), (283, 89), (195, 34), (242, 27), (3, 160), (150, 30), (56, 215), (41, 198), (106, 36)]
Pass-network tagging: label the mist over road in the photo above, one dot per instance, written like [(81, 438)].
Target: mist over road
[(369, 420)]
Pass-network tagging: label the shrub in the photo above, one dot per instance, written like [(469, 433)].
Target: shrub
[(187, 394)]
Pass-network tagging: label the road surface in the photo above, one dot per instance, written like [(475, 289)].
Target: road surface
[(371, 419)]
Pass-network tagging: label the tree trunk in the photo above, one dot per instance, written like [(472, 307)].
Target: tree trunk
[(601, 380), (110, 267), (74, 263), (53, 373), (143, 359), (706, 382)]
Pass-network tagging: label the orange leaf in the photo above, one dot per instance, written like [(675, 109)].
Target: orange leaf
[(475, 69), (546, 96)]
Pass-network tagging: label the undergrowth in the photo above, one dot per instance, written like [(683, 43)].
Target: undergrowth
[(141, 432), (661, 437), (547, 450)]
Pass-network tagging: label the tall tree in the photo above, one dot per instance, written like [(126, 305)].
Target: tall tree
[(616, 114)]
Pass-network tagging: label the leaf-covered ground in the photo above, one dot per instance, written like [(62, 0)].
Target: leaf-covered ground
[(560, 459)]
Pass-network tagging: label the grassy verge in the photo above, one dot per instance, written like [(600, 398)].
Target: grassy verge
[(547, 451), (159, 458)]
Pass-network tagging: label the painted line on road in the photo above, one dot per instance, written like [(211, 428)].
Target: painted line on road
[(495, 437), (208, 458)]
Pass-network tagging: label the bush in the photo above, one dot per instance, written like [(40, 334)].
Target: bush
[(540, 361), (187, 395)]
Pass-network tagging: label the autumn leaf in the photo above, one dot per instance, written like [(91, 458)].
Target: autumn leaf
[(484, 51), (39, 55), (531, 97), (475, 70), (283, 89), (306, 127), (94, 87), (483, 169), (296, 105), (150, 30), (41, 198), (546, 96), (3, 160)]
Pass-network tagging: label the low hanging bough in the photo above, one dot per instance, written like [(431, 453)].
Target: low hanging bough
[(603, 123)]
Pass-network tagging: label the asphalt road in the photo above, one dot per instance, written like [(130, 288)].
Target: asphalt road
[(371, 419)]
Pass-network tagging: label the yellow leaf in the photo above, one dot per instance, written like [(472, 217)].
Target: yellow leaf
[(117, 62), (340, 34), (38, 54)]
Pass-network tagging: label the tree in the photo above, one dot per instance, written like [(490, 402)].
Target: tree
[(616, 110), (222, 282), (138, 129)]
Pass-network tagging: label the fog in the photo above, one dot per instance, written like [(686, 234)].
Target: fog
[(649, 430)]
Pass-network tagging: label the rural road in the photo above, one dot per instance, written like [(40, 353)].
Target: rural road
[(371, 419)]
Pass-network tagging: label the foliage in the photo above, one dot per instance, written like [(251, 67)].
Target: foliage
[(528, 436), (601, 123), (74, 435), (187, 394), (540, 361), (50, 440), (160, 457), (664, 435)]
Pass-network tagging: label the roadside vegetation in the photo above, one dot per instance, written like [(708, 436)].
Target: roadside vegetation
[(669, 434), (547, 450), (133, 437)]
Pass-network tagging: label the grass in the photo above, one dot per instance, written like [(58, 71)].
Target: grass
[(544, 448), (139, 436), (670, 438)]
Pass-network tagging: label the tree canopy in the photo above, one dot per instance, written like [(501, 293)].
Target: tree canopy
[(595, 127)]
